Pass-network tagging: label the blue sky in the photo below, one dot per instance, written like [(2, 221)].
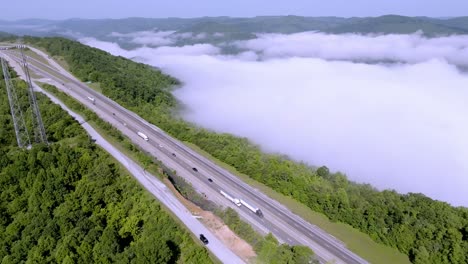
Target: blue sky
[(62, 9)]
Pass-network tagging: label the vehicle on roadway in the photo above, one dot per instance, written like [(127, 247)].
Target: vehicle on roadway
[(143, 136), (251, 208), (173, 154), (92, 99), (210, 180), (195, 169), (230, 198), (203, 239)]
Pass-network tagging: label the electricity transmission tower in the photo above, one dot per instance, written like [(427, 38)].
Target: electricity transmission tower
[(22, 135), (38, 126), (21, 131)]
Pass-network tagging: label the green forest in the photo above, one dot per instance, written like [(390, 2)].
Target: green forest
[(70, 202), (427, 231)]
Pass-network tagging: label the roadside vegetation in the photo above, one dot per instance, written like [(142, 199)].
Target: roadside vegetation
[(425, 230), (71, 203)]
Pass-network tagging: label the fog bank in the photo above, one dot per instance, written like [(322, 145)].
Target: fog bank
[(411, 48), (402, 126)]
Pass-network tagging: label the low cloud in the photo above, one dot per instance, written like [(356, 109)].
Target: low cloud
[(161, 38), (401, 126), (148, 53), (154, 38), (413, 48)]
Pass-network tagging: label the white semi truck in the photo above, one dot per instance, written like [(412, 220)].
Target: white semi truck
[(143, 136), (92, 99), (230, 198), (251, 208)]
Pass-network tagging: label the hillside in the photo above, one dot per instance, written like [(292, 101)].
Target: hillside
[(458, 22), (400, 25), (71, 203)]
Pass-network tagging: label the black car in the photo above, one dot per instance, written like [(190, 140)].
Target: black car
[(173, 154), (203, 239), (195, 169), (210, 180)]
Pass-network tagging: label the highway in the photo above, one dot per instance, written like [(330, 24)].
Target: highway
[(278, 220), (152, 184)]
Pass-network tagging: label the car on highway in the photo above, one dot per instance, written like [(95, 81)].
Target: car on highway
[(210, 180), (173, 154), (203, 239), (195, 169)]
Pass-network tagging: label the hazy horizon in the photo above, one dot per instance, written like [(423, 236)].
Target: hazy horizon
[(228, 16), (57, 10)]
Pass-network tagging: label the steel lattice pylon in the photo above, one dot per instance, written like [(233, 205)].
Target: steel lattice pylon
[(22, 135), (38, 126)]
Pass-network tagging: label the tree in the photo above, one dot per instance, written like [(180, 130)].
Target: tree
[(420, 255), (323, 171)]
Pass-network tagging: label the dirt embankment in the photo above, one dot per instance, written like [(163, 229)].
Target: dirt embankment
[(219, 229)]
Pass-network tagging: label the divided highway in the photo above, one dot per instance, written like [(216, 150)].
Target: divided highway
[(277, 219), (153, 185)]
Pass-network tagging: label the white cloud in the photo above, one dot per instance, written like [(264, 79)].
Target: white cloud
[(201, 36), (412, 48), (184, 35), (112, 48), (401, 126), (155, 38), (159, 38), (149, 53), (218, 35)]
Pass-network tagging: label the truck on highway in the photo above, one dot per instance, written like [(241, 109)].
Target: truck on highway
[(230, 198), (143, 136), (251, 208), (92, 99)]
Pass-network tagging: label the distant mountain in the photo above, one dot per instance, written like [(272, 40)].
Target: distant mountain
[(458, 22), (401, 25), (267, 24), (292, 24), (239, 28), (5, 35)]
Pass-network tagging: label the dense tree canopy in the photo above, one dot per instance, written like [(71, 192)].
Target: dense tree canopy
[(70, 203), (427, 231)]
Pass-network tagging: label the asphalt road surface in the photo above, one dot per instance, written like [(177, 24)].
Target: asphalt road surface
[(281, 222)]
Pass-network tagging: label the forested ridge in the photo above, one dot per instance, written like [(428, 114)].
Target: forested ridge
[(70, 203), (426, 230)]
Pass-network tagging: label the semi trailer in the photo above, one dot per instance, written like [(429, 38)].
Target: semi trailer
[(92, 99), (143, 136), (230, 198), (251, 208)]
